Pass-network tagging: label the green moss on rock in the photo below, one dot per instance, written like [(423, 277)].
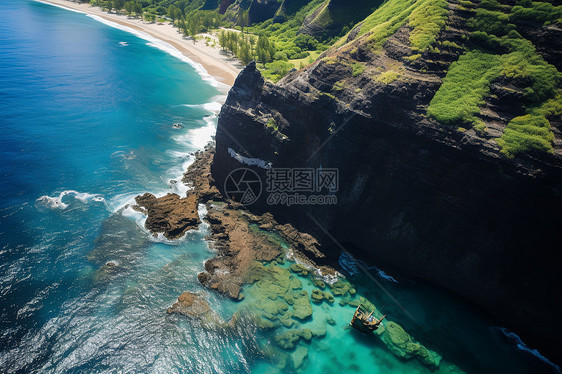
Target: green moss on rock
[(318, 297), (289, 339), (300, 269), (401, 344)]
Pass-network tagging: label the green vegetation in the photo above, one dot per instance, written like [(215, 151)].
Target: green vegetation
[(426, 21), (272, 124), (525, 133), (387, 77), (540, 12), (464, 88), (491, 22), (285, 35), (300, 63), (338, 86), (425, 17), (467, 82), (358, 69), (531, 131)]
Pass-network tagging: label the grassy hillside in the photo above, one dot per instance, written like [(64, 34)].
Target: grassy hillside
[(492, 51), (497, 52)]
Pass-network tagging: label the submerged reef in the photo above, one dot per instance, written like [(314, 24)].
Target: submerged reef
[(276, 295), (271, 270)]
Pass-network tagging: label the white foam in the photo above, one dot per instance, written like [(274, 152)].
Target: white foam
[(51, 202), (214, 106), (121, 201), (56, 202), (61, 6), (163, 46), (153, 42)]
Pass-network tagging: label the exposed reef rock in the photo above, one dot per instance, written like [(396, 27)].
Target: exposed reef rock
[(238, 245), (170, 214), (239, 236), (427, 200), (192, 305)]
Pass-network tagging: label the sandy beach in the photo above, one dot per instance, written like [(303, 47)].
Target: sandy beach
[(223, 67)]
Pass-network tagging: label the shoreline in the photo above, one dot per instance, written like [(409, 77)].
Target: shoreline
[(224, 69)]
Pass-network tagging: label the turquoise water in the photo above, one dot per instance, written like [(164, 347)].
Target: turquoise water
[(86, 114)]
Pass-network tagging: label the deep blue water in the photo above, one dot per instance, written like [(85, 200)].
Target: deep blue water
[(86, 125)]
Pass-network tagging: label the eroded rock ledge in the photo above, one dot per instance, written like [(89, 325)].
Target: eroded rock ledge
[(170, 214), (237, 235)]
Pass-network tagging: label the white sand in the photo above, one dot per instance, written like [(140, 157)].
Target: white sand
[(223, 67)]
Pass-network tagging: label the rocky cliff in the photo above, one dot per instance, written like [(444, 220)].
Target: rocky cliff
[(446, 201)]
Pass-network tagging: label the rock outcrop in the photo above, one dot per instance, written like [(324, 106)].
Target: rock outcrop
[(239, 237), (191, 305), (169, 214), (416, 197)]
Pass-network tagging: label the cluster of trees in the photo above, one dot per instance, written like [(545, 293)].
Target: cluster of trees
[(133, 7), (194, 22), (201, 21), (189, 17), (247, 47), (130, 7)]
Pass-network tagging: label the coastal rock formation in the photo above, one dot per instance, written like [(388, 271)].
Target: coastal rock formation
[(239, 236), (169, 214), (190, 304), (402, 345), (239, 245), (198, 176), (432, 201)]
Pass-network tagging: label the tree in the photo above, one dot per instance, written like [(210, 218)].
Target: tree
[(242, 18), (222, 39), (118, 4), (137, 8), (149, 17), (174, 13), (193, 25), (244, 52), (129, 7), (264, 49)]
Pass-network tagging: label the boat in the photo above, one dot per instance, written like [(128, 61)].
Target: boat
[(364, 322)]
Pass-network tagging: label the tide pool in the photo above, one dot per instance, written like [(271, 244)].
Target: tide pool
[(86, 115)]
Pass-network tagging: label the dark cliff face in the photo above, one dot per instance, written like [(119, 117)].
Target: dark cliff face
[(415, 197)]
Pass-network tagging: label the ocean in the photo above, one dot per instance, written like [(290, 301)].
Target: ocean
[(86, 116)]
